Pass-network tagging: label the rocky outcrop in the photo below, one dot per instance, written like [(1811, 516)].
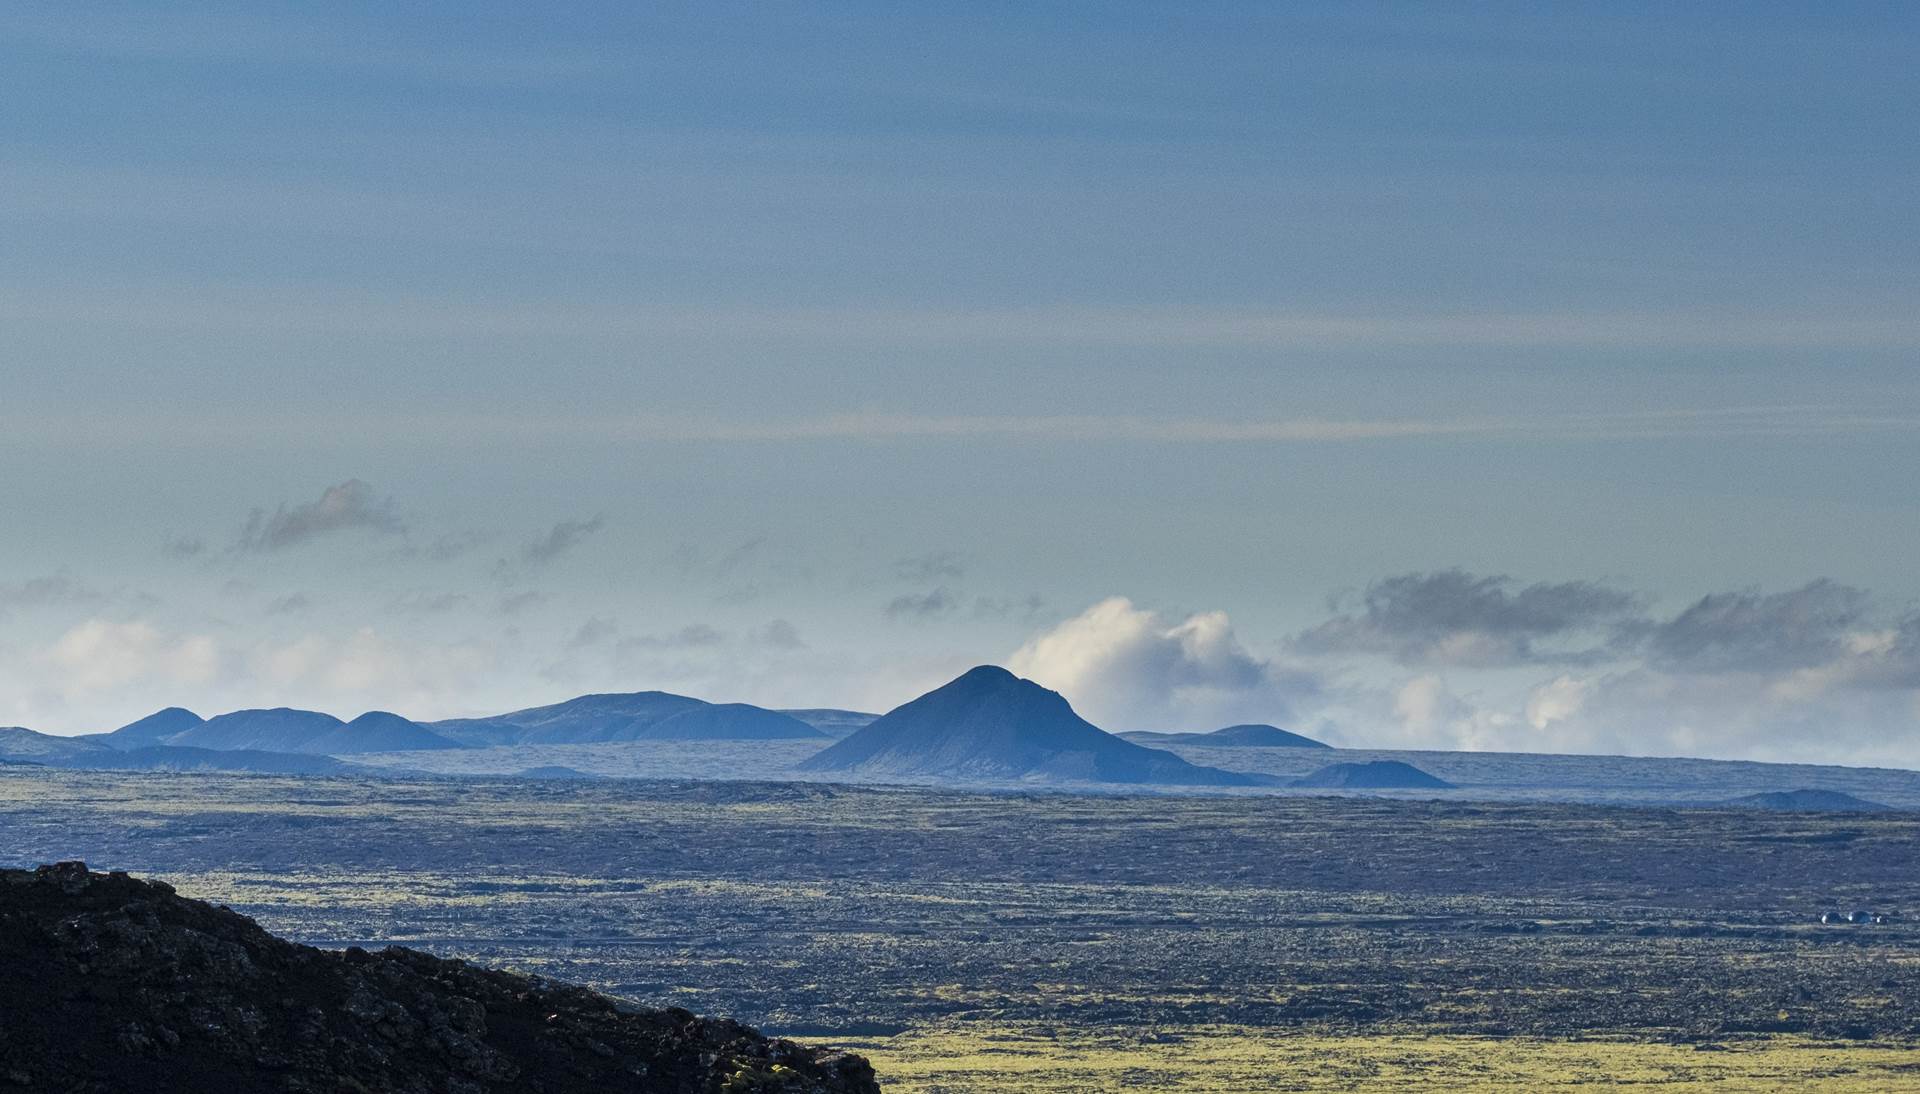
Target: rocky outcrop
[(117, 984)]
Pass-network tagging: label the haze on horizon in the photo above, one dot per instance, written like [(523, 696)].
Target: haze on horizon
[(1495, 378)]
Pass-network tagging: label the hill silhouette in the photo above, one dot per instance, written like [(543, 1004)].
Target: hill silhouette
[(311, 732), (89, 753), (833, 722), (992, 725), (20, 743), (1808, 801), (587, 719), (728, 722), (138, 990), (1372, 775), (1243, 736), (155, 729)]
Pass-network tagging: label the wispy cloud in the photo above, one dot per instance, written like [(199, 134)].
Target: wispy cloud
[(931, 604), (349, 506), (556, 541)]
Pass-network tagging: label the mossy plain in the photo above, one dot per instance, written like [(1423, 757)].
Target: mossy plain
[(1015, 942)]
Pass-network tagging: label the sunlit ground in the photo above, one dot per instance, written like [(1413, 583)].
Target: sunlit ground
[(974, 1060)]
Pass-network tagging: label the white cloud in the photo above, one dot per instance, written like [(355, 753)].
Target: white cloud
[(1125, 667), (99, 654), (1556, 701)]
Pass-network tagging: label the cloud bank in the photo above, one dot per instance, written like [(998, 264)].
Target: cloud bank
[(1125, 667)]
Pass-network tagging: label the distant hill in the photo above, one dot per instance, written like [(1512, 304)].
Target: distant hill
[(1373, 775), (382, 731), (554, 772), (17, 743), (992, 725), (833, 723), (728, 722), (1808, 801), (1243, 736), (310, 732), (589, 719), (184, 758), (155, 729)]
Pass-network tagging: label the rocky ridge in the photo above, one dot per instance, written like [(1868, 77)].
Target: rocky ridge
[(118, 984)]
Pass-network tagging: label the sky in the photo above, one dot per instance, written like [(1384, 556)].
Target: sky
[(1535, 377)]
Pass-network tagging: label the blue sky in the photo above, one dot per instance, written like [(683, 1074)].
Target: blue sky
[(856, 345)]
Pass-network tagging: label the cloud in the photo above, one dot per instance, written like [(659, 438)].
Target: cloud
[(365, 667), (1129, 668), (755, 568), (932, 566), (1451, 617), (290, 605), (1822, 672), (560, 539), (51, 591), (452, 545), (780, 635), (99, 654), (347, 506), (545, 548), (931, 604), (1751, 631), (184, 547), (592, 633), (521, 603)]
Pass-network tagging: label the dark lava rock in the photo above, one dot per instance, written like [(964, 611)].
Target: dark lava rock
[(116, 984)]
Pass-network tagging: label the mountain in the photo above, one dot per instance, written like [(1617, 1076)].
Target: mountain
[(380, 731), (17, 743), (728, 722), (155, 729), (1245, 736), (1373, 775), (833, 723), (186, 758), (1808, 801), (309, 731), (588, 719), (126, 986), (992, 725)]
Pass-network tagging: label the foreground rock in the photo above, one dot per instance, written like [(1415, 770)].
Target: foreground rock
[(117, 984)]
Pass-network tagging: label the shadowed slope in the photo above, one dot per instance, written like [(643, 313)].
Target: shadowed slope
[(310, 732), (990, 724), (588, 719), (1243, 736), (729, 722), (157, 728)]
